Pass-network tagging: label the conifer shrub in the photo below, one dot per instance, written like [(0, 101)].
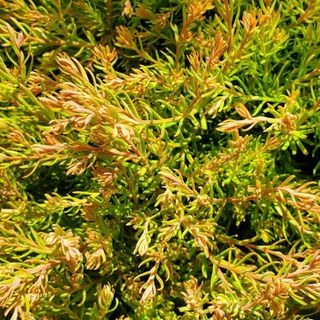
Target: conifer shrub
[(159, 159)]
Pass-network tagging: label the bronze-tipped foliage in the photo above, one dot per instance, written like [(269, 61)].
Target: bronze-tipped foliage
[(159, 159)]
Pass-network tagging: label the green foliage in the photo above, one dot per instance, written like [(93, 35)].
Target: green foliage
[(159, 159)]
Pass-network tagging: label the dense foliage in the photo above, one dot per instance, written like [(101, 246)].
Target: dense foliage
[(159, 159)]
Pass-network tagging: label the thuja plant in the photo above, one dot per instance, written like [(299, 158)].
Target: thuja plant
[(158, 159)]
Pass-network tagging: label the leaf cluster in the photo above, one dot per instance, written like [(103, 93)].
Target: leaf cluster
[(159, 159)]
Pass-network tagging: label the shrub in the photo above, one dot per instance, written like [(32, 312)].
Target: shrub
[(159, 159)]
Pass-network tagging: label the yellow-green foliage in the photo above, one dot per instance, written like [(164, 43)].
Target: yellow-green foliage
[(159, 159)]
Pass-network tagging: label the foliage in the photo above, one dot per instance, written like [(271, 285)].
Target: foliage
[(159, 159)]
